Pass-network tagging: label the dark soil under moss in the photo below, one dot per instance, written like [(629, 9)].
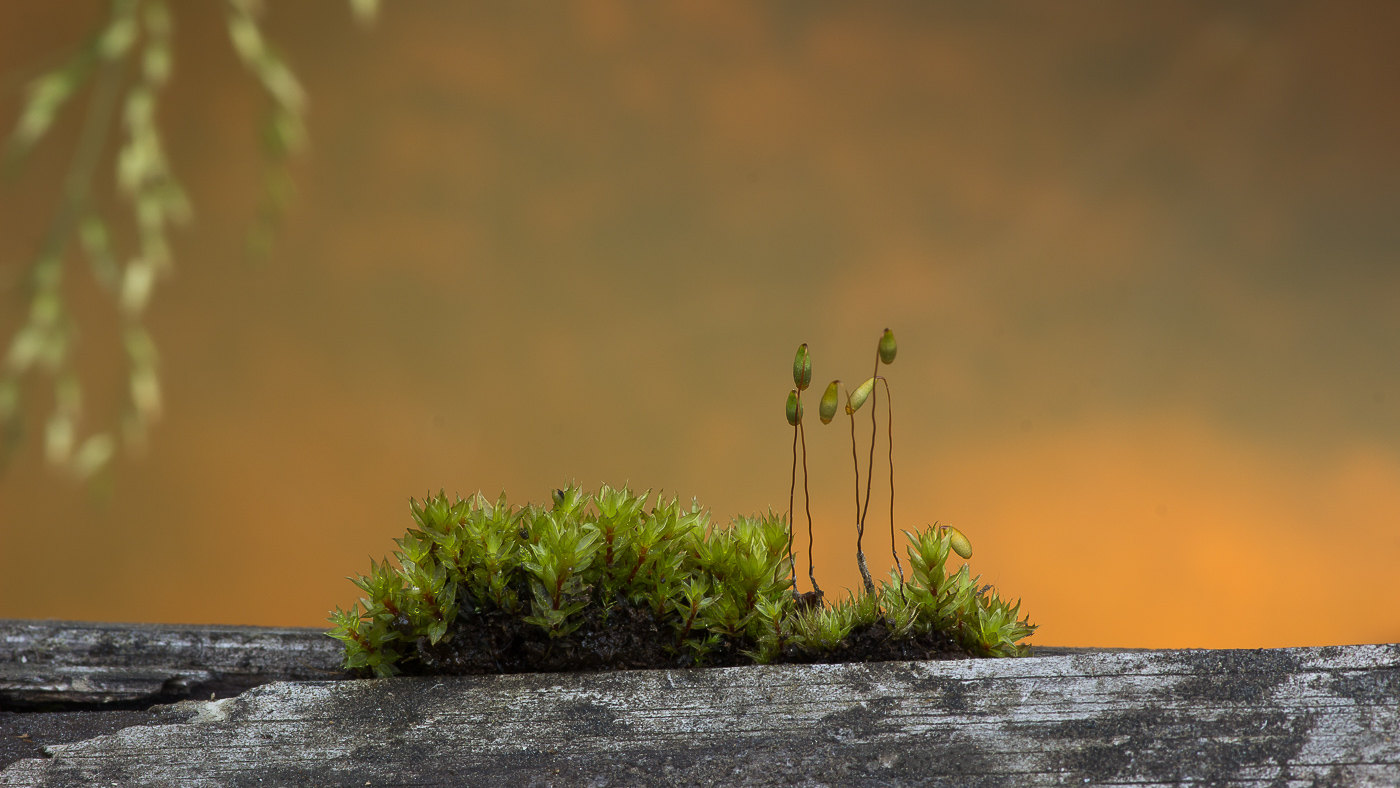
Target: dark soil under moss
[(629, 638)]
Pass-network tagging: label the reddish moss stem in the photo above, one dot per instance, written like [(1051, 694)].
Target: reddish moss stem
[(860, 527), (792, 496), (807, 502), (889, 432)]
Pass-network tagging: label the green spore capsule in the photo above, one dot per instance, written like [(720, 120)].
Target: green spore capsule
[(802, 368), (794, 408), (958, 542), (827, 410), (860, 395), (888, 348)]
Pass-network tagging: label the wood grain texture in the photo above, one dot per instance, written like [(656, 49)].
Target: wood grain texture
[(1312, 716), (64, 662), (75, 664)]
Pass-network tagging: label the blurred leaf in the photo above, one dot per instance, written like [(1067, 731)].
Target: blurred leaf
[(156, 59), (156, 64), (173, 200), (145, 392), (143, 381), (284, 133), (46, 96), (281, 83), (139, 347), (94, 453), (137, 281), (116, 40), (365, 11), (58, 438), (46, 308), (244, 33), (25, 348)]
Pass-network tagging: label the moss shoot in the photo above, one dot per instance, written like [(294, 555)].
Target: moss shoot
[(599, 581)]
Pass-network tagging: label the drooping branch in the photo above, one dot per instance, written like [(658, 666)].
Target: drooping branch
[(47, 335)]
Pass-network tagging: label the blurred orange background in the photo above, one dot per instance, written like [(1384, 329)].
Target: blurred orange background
[(1141, 261)]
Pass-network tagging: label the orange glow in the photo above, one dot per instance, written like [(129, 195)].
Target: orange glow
[(1140, 260)]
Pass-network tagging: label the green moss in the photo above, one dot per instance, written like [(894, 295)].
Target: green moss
[(601, 581)]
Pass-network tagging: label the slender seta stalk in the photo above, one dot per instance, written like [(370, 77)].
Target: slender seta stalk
[(870, 463), (854, 400), (801, 378), (794, 406), (889, 432), (807, 501), (860, 525), (885, 351)]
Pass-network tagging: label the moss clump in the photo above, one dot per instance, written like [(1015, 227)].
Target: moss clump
[(600, 582)]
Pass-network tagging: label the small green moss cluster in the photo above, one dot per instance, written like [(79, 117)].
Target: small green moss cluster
[(599, 581)]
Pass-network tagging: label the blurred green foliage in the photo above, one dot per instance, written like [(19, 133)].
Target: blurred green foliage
[(135, 35)]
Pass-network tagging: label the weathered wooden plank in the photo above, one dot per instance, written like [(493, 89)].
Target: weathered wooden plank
[(1270, 717), (72, 663), (64, 662), (25, 735)]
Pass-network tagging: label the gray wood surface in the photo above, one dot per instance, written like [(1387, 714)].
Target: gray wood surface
[(74, 664), (43, 663), (1313, 716)]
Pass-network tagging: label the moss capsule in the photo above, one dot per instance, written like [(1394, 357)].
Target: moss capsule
[(827, 410), (888, 348), (859, 396), (802, 368), (958, 542)]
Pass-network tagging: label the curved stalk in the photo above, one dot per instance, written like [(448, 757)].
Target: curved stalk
[(792, 495), (807, 501), (889, 432), (870, 463), (860, 526)]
